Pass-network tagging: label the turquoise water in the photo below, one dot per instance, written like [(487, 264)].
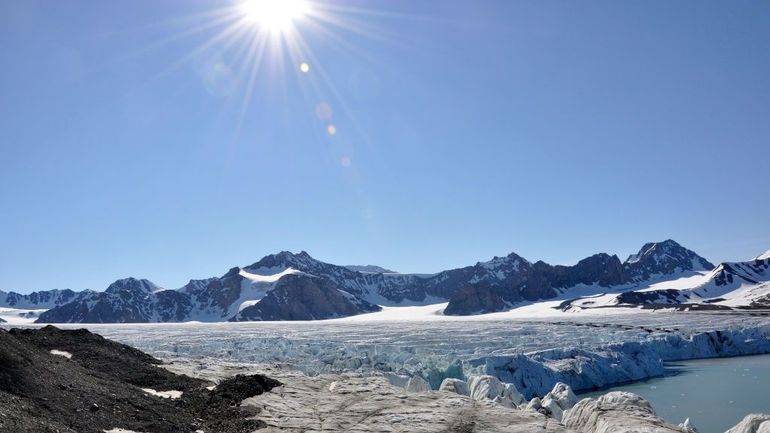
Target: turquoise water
[(715, 393)]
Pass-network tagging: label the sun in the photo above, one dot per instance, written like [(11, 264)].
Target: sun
[(275, 16)]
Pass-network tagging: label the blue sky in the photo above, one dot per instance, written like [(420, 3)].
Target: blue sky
[(131, 145)]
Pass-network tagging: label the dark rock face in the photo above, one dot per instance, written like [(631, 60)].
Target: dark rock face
[(140, 301), (725, 277), (42, 299), (489, 286), (667, 296), (500, 273), (240, 387), (662, 258), (131, 286), (542, 281), (301, 297), (392, 287), (475, 300), (172, 306), (125, 301), (216, 294), (96, 353), (752, 272), (370, 269), (99, 389), (602, 269)]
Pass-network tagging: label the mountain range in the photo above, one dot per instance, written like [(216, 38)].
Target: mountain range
[(295, 286)]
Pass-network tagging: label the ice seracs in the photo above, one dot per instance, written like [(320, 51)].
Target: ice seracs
[(559, 399), (417, 384), (456, 386), (616, 412), (688, 426), (486, 387), (753, 423), (534, 405)]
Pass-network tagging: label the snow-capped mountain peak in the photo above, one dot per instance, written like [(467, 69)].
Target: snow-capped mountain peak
[(664, 258), (249, 293), (41, 299), (496, 262), (133, 285), (764, 256), (275, 263)]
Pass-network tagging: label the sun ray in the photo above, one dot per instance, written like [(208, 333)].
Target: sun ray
[(264, 42)]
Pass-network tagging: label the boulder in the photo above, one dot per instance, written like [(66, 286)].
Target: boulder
[(534, 405), (513, 395), (417, 384), (456, 386), (485, 387)]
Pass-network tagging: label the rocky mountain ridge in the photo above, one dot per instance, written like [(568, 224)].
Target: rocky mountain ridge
[(311, 289)]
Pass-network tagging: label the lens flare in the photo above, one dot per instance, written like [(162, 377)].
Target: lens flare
[(323, 111)]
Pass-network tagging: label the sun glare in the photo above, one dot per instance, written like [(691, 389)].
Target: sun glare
[(276, 16)]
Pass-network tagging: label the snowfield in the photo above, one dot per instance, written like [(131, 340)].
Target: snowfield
[(16, 316)]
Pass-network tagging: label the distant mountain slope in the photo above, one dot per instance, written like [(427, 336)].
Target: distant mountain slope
[(295, 286), (542, 281), (302, 297), (36, 300), (129, 300), (370, 269), (663, 258), (212, 300), (729, 285)]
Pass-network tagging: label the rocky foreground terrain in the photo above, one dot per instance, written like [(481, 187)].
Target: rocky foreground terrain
[(54, 380), (389, 403)]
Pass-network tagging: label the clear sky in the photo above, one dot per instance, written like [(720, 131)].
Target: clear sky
[(152, 139)]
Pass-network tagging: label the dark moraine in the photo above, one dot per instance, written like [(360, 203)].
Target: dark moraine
[(100, 388)]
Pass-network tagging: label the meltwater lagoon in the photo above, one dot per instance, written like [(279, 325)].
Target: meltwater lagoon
[(714, 393)]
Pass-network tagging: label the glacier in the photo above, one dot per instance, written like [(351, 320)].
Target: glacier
[(583, 352)]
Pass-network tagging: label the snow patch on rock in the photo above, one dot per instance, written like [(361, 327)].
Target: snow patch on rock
[(61, 353), (173, 395), (120, 430)]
